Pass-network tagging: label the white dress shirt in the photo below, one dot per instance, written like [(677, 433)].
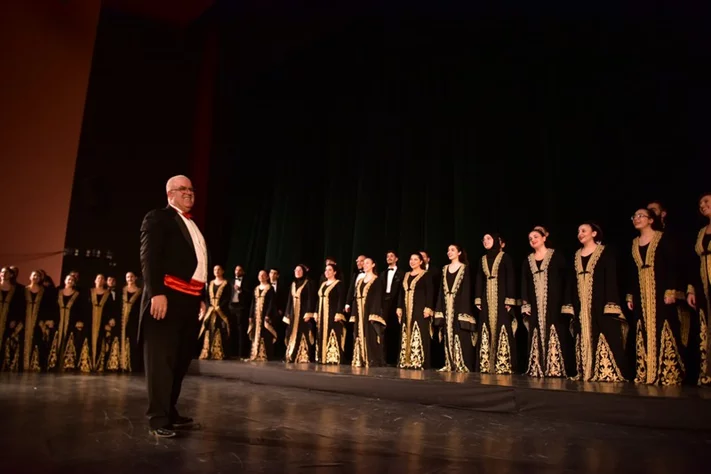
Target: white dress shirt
[(391, 274), (199, 245), (238, 290)]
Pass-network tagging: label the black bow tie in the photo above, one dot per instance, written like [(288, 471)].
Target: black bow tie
[(391, 269)]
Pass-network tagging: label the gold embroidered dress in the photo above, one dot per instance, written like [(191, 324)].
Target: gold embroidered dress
[(63, 353), (543, 284), (494, 290), (299, 320), (216, 332), (702, 290), (131, 358), (25, 344), (11, 313), (454, 320), (330, 323), (369, 324), (261, 332), (415, 309), (599, 326), (656, 324)]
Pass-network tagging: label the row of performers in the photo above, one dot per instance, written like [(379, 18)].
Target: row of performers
[(576, 324), (45, 329)]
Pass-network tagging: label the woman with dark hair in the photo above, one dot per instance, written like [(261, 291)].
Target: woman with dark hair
[(414, 313), (600, 328), (699, 294), (298, 317), (543, 276), (68, 334), (215, 331), (652, 300), (494, 296), (367, 316), (262, 313), (453, 314), (131, 359), (330, 320)]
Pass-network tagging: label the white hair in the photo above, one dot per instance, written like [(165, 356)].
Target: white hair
[(172, 180)]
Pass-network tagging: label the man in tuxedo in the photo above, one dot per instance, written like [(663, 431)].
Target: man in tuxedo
[(357, 276), (239, 308), (174, 262), (393, 285)]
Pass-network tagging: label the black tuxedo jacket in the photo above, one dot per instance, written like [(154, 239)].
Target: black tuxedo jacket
[(395, 287), (166, 249)]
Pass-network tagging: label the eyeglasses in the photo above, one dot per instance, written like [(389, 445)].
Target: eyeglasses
[(639, 216), (184, 189)]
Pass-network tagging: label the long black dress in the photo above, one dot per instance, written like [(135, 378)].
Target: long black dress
[(13, 303), (11, 312), (495, 289), (216, 332), (657, 325), (69, 338), (367, 316), (454, 320), (415, 308), (330, 321), (298, 317), (103, 338), (599, 325), (262, 314), (543, 285), (131, 354), (702, 291)]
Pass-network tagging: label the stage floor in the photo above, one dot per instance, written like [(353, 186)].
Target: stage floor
[(559, 399)]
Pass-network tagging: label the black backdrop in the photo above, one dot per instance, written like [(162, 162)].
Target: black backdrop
[(340, 134)]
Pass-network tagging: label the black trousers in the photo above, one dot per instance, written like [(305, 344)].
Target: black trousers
[(169, 346), (239, 322), (392, 331)]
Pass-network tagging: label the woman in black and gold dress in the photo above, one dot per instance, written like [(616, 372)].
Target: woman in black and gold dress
[(330, 319), (298, 317), (367, 316), (495, 296), (11, 308), (131, 354), (453, 314), (414, 313), (543, 276), (699, 294), (26, 347), (215, 331), (64, 352), (599, 325), (262, 313), (104, 333), (652, 300)]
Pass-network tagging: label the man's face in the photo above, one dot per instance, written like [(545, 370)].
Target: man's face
[(391, 258), (273, 275), (239, 272), (359, 262), (111, 282), (182, 195)]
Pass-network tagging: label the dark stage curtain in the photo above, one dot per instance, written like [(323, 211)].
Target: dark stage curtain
[(380, 134)]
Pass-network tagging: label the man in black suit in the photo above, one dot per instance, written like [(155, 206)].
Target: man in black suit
[(174, 261), (239, 313), (393, 285)]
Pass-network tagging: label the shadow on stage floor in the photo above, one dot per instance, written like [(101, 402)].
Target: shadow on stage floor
[(558, 399)]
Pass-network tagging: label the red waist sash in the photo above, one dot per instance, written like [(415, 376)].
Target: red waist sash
[(193, 287)]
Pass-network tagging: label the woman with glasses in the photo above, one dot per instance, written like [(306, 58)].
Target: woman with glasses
[(652, 300), (543, 276), (699, 294), (495, 297), (593, 300)]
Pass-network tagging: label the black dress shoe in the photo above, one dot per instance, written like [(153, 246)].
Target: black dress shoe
[(183, 422), (163, 432)]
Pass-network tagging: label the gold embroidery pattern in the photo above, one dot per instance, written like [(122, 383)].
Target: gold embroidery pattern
[(704, 375), (648, 297), (484, 362), (31, 312), (333, 354), (322, 323), (414, 357), (492, 297), (70, 354), (56, 354), (125, 352), (85, 358), (258, 352), (408, 339), (606, 369), (641, 372), (670, 362), (704, 378), (555, 366), (540, 285), (585, 292), (114, 352), (452, 350), (534, 357), (503, 354), (215, 349)]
